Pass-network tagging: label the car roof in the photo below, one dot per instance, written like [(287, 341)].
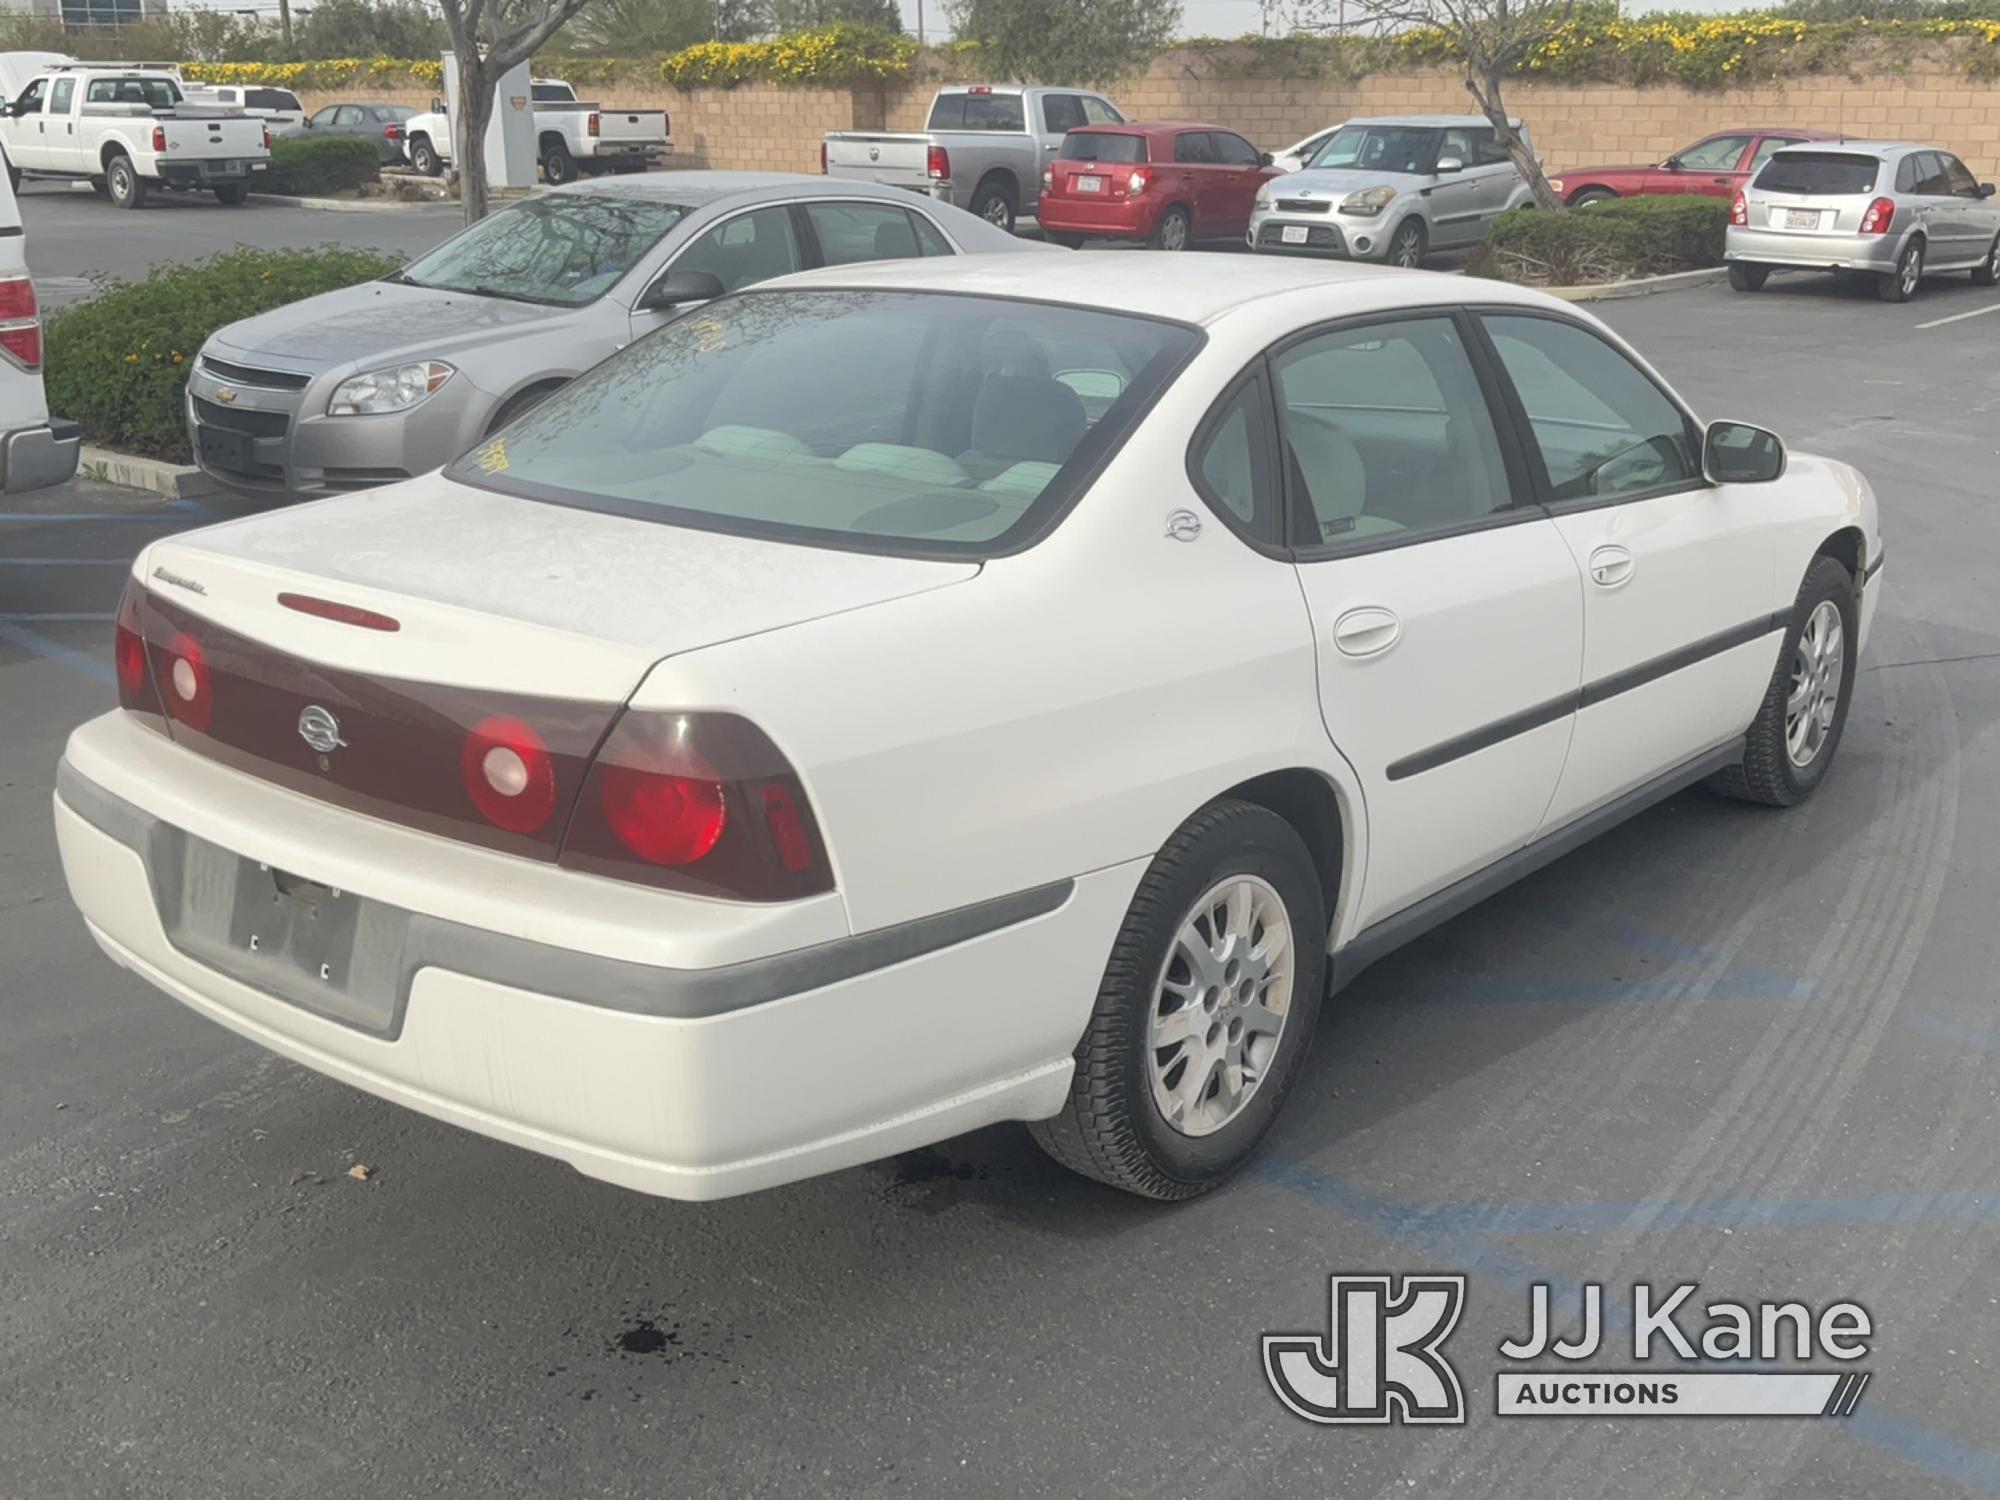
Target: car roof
[(1151, 127), (1859, 148), (1429, 122), (1192, 288), (696, 189)]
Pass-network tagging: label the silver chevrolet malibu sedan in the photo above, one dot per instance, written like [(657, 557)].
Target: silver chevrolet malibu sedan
[(389, 379), (1896, 210)]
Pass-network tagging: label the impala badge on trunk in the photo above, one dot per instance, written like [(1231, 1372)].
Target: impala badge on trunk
[(320, 729)]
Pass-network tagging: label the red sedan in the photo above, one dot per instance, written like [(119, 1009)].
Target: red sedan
[(1713, 167), (1168, 184)]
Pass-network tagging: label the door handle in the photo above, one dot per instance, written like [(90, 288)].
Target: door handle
[(1610, 565), (1366, 631)]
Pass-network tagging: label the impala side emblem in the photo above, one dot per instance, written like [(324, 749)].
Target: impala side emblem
[(225, 394), (320, 729), (1183, 525), (874, 153)]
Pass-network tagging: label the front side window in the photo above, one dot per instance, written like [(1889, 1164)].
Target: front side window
[(1603, 427), (890, 421), (348, 114), (1234, 151), (745, 250), (1487, 150), (1959, 181), (1932, 182), (1380, 148), (33, 97), (564, 250), (1387, 431), (850, 232), (1819, 174), (330, 114), (1103, 145), (1718, 155)]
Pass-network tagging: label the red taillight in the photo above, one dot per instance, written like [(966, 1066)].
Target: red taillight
[(663, 818), (20, 322), (159, 138), (788, 827), (129, 649), (509, 773), (1878, 216), (594, 125), (392, 132), (186, 686), (345, 614), (1139, 181), (937, 163), (267, 137), (1739, 211)]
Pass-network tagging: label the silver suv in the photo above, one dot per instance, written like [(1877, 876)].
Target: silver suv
[(1897, 210)]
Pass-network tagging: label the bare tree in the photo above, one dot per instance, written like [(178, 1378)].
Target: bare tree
[(1494, 37), (488, 37)]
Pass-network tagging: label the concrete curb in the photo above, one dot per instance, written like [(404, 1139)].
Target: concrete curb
[(349, 205), (175, 481), (1644, 286)]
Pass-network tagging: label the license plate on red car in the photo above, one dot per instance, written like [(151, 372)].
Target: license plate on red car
[(1090, 184)]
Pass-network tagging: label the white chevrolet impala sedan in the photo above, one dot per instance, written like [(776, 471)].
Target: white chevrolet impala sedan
[(911, 696)]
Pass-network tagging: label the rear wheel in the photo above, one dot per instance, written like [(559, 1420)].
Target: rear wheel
[(1406, 248), (994, 202), (1901, 284), (122, 181), (558, 166), (230, 193), (1174, 230), (424, 157), (1205, 1012), (1987, 272), (1748, 278)]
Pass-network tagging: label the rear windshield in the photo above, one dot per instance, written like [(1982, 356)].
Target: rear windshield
[(394, 113), (154, 93), (1093, 146), (881, 421), (1827, 174), (564, 249), (552, 93), (977, 112), (270, 99)]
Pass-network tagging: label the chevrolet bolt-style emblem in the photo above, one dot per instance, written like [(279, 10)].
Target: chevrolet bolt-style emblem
[(874, 153), (225, 394), (320, 729)]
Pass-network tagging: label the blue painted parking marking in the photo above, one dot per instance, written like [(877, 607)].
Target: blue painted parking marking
[(55, 651)]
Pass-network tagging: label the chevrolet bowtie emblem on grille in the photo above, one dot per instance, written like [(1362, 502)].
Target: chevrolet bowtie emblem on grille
[(320, 729), (225, 394)]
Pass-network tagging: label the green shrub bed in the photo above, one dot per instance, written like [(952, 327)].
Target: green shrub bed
[(315, 166), (1607, 242), (119, 363)]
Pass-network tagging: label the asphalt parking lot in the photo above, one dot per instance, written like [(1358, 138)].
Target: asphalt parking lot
[(1751, 1049)]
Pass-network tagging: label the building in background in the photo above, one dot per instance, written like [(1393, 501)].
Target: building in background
[(85, 12)]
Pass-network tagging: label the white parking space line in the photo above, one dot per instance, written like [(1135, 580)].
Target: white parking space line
[(1977, 312)]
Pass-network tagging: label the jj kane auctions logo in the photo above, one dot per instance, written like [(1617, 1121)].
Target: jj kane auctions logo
[(1382, 1360)]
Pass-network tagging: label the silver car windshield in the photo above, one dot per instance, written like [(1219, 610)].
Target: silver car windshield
[(1380, 148), (565, 249), (892, 421)]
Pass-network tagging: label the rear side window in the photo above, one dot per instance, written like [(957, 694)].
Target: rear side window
[(59, 100), (930, 239), (1819, 174), (977, 112), (1232, 463), (1194, 146), (851, 232), (1092, 145), (270, 99)]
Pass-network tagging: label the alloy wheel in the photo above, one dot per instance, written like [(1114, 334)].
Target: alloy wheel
[(1408, 251), (1220, 1006), (1174, 233), (1912, 270), (1819, 667), (996, 212)]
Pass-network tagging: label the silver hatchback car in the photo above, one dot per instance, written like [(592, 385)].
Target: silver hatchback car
[(1896, 210)]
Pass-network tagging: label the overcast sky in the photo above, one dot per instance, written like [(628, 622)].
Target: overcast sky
[(1236, 17)]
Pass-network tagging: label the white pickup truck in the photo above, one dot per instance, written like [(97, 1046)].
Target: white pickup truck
[(126, 131), (573, 137), (983, 149)]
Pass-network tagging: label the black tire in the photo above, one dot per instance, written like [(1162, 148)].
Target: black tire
[(558, 166), (1748, 278), (230, 194), (100, 187), (520, 404), (1406, 246), (1588, 196), (1901, 284), (125, 187), (994, 202), (424, 157), (1110, 1127), (1175, 231), (1768, 773), (1987, 272)]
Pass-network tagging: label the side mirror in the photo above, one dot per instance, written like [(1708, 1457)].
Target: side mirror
[(1737, 453), (1986, 190), (679, 287), (1448, 165), (1266, 159), (437, 106), (1671, 164)]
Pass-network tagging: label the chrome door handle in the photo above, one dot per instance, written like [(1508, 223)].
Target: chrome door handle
[(1366, 631), (1610, 565)]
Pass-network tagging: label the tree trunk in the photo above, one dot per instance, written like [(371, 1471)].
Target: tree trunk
[(1485, 90), (475, 113)]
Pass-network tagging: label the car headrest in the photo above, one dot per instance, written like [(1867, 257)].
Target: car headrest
[(1023, 418)]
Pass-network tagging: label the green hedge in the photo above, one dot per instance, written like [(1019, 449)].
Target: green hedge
[(1607, 242), (319, 165), (119, 362)]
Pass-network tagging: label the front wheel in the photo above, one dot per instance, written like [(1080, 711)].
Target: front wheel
[(1900, 285), (124, 184), (1174, 230), (1590, 197), (558, 167), (1406, 248), (1205, 1012), (230, 194), (995, 204), (1797, 729), (1748, 278), (1987, 272), (424, 157)]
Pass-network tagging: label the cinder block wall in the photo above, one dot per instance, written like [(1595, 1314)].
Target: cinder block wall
[(764, 127)]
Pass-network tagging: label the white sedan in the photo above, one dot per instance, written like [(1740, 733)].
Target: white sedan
[(909, 696)]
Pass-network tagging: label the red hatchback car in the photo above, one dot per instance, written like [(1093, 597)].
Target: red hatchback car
[(1713, 167), (1167, 184)]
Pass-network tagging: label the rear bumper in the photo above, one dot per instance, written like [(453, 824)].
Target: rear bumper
[(217, 173), (1813, 252), (774, 1074), (1118, 218), (33, 457)]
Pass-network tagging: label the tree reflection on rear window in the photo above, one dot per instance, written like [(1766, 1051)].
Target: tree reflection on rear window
[(1825, 174)]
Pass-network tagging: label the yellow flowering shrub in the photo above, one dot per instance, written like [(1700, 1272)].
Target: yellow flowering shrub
[(844, 53)]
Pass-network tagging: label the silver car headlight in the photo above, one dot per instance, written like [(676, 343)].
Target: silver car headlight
[(397, 388), (1263, 199), (1368, 202)]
